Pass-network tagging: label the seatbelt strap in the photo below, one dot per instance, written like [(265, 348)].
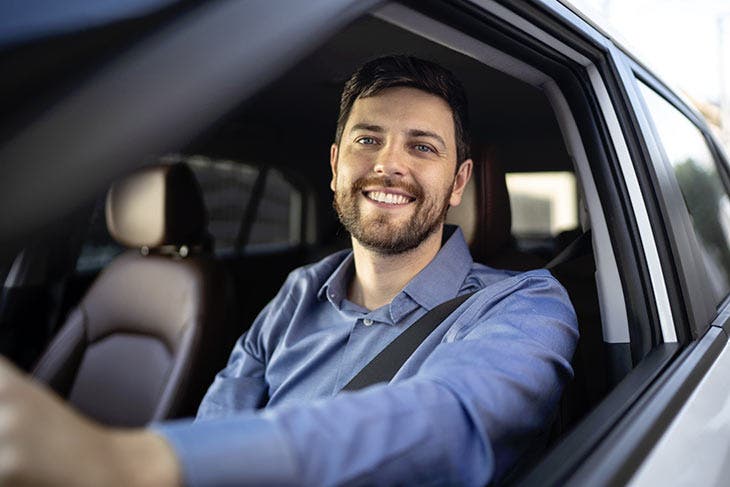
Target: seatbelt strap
[(578, 248), (385, 365)]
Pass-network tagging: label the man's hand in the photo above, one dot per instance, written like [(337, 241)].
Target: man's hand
[(44, 442)]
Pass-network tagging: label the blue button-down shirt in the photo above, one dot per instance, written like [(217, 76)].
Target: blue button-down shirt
[(462, 409)]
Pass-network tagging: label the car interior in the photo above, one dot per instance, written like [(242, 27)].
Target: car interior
[(153, 294), (141, 336)]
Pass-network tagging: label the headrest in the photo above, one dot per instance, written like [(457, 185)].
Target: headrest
[(484, 213), (157, 206)]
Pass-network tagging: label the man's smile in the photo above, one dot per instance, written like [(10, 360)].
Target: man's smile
[(388, 196)]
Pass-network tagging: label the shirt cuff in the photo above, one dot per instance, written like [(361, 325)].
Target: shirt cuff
[(210, 453)]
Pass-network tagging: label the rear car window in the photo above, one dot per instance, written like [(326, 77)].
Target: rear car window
[(99, 248), (278, 224), (227, 187), (543, 204)]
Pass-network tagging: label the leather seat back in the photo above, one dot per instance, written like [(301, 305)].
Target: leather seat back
[(132, 351)]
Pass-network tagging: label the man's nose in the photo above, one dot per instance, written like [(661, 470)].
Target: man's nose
[(390, 161)]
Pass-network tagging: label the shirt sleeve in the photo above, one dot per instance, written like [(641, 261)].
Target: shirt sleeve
[(241, 386), (474, 405)]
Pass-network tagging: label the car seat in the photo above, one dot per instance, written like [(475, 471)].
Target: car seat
[(144, 342)]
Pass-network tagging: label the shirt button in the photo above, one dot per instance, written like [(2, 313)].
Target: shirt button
[(367, 322)]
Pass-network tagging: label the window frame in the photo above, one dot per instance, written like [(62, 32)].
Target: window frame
[(701, 307), (661, 382)]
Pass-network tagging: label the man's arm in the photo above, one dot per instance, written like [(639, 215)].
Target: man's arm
[(44, 442), (240, 386), (474, 406)]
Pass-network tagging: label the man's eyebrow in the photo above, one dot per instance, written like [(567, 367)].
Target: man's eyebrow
[(370, 127), (427, 133)]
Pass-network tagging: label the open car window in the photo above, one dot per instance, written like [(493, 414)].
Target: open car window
[(255, 125)]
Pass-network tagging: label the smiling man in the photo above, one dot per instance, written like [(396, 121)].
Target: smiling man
[(395, 175), (471, 399)]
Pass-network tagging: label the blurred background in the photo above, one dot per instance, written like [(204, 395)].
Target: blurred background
[(686, 42)]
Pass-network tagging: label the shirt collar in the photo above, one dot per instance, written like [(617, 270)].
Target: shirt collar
[(335, 287), (442, 278)]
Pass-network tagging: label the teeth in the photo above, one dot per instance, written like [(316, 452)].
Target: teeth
[(390, 198)]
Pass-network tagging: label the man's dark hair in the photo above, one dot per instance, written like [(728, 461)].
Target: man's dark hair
[(400, 70)]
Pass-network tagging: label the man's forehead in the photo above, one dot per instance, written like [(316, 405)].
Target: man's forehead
[(403, 96), (416, 108)]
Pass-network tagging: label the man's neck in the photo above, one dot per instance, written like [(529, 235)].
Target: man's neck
[(380, 277)]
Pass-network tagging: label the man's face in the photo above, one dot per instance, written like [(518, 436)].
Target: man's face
[(393, 172)]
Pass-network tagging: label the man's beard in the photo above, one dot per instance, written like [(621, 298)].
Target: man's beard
[(378, 232)]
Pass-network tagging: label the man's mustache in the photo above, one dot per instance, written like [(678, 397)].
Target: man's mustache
[(387, 182)]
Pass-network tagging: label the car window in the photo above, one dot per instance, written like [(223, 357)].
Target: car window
[(279, 215), (227, 188), (704, 194), (543, 204), (99, 247)]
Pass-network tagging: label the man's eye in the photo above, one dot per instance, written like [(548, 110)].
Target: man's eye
[(366, 140), (423, 148)]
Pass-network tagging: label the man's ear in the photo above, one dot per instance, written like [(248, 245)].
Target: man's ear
[(333, 165), (460, 181)]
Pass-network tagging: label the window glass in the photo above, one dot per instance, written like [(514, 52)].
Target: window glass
[(279, 216), (99, 247), (226, 187), (543, 204), (699, 180)]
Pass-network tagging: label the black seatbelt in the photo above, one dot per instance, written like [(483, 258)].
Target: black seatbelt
[(578, 248), (385, 365)]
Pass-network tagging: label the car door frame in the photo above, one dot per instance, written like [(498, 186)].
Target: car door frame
[(621, 452)]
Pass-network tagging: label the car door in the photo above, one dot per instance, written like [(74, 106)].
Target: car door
[(688, 441), (673, 432)]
